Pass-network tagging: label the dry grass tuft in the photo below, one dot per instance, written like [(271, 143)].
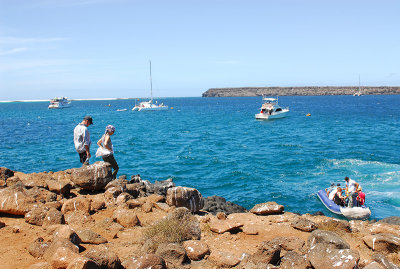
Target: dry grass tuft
[(177, 227)]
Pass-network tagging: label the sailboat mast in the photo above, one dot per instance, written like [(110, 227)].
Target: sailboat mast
[(151, 84), (359, 88)]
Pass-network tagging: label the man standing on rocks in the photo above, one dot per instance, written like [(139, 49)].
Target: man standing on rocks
[(82, 139)]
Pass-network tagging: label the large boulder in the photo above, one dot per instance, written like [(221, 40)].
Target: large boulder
[(92, 177), (294, 260), (118, 183), (66, 232), (136, 189), (15, 200), (104, 257), (62, 257), (56, 243), (173, 253), (383, 261), (41, 195), (36, 215), (33, 179), (267, 253), (78, 204), (268, 208), (126, 218), (59, 183), (223, 226), (38, 247), (327, 237), (185, 197), (383, 242), (159, 187), (334, 224), (87, 236), (4, 174), (111, 195), (223, 259), (391, 220), (196, 249), (53, 217), (303, 224), (384, 228), (97, 202), (215, 204), (145, 262), (323, 255)]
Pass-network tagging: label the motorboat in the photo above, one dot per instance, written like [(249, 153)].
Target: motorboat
[(149, 105), (356, 212), (270, 109), (122, 109), (59, 102)]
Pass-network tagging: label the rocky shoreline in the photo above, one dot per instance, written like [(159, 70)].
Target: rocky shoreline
[(299, 91), (81, 218)]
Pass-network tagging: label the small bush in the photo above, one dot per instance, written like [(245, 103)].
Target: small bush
[(177, 227)]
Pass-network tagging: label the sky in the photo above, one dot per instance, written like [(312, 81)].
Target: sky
[(102, 48)]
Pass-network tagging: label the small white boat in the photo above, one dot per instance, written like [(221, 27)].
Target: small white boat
[(59, 102), (270, 109), (149, 105), (359, 213), (123, 109)]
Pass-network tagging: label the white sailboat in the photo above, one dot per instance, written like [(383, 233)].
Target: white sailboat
[(358, 93), (149, 105)]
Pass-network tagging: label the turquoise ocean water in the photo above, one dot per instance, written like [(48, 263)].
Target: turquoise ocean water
[(216, 146)]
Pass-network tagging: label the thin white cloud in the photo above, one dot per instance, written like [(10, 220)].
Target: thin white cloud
[(11, 40), (228, 62), (12, 51), (22, 65)]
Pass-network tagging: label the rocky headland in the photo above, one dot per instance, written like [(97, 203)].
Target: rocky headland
[(299, 91), (81, 218)]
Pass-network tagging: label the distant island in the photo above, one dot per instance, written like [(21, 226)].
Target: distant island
[(299, 91)]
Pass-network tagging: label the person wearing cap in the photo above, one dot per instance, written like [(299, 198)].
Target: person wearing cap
[(82, 139), (360, 197), (351, 191), (105, 142)]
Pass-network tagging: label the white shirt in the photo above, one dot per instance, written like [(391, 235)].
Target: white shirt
[(81, 138), (351, 185), (332, 194)]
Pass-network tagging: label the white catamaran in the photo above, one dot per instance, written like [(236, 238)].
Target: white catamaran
[(149, 105)]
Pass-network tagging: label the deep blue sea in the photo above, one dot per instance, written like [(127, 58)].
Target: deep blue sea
[(217, 146)]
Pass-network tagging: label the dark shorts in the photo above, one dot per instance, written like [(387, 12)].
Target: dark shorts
[(110, 159), (83, 157)]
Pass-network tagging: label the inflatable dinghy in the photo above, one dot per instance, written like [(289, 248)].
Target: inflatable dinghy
[(357, 212)]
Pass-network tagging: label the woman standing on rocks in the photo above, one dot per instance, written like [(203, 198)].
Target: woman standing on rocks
[(106, 144)]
